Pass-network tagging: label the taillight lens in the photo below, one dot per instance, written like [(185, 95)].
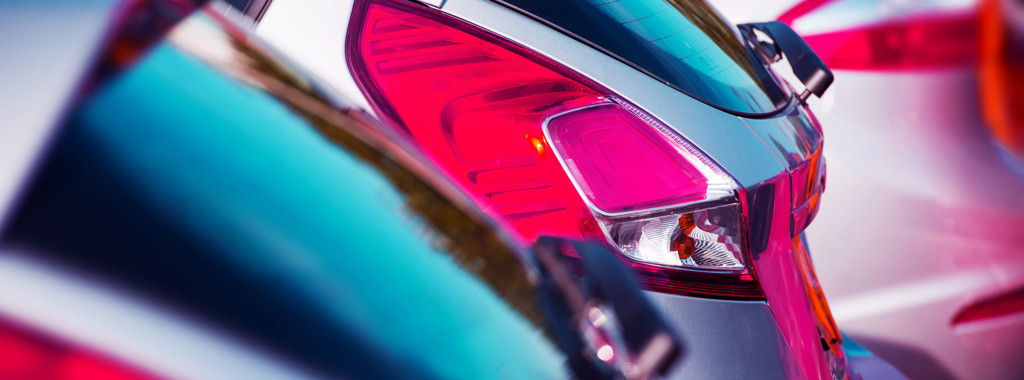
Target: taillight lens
[(552, 152), (708, 238), (1001, 73), (887, 35), (623, 164), (991, 308), (26, 355)]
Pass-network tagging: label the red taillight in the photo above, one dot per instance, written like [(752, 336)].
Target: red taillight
[(552, 152), (622, 164), (995, 307), (26, 355), (1001, 74), (922, 36)]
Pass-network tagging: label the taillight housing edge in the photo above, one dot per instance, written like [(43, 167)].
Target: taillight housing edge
[(735, 281)]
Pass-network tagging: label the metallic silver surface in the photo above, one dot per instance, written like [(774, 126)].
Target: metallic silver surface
[(791, 136), (433, 3), (726, 339)]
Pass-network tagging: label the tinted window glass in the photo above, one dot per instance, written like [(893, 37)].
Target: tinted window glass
[(251, 9), (682, 42), (238, 4), (241, 208)]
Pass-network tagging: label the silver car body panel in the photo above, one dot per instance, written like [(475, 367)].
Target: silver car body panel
[(792, 136), (726, 339)]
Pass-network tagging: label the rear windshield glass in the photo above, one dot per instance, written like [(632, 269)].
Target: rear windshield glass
[(682, 42)]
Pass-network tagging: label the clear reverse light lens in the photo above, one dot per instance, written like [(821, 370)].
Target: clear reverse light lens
[(705, 239)]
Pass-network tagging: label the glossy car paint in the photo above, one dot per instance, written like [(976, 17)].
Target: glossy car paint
[(207, 208), (923, 216), (757, 152), (740, 340)]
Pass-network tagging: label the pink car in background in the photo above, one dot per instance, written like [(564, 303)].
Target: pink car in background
[(920, 243)]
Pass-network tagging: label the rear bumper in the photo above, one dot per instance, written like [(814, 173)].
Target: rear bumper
[(872, 367), (726, 339), (741, 340)]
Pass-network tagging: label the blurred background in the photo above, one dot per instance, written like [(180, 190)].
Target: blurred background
[(919, 244)]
